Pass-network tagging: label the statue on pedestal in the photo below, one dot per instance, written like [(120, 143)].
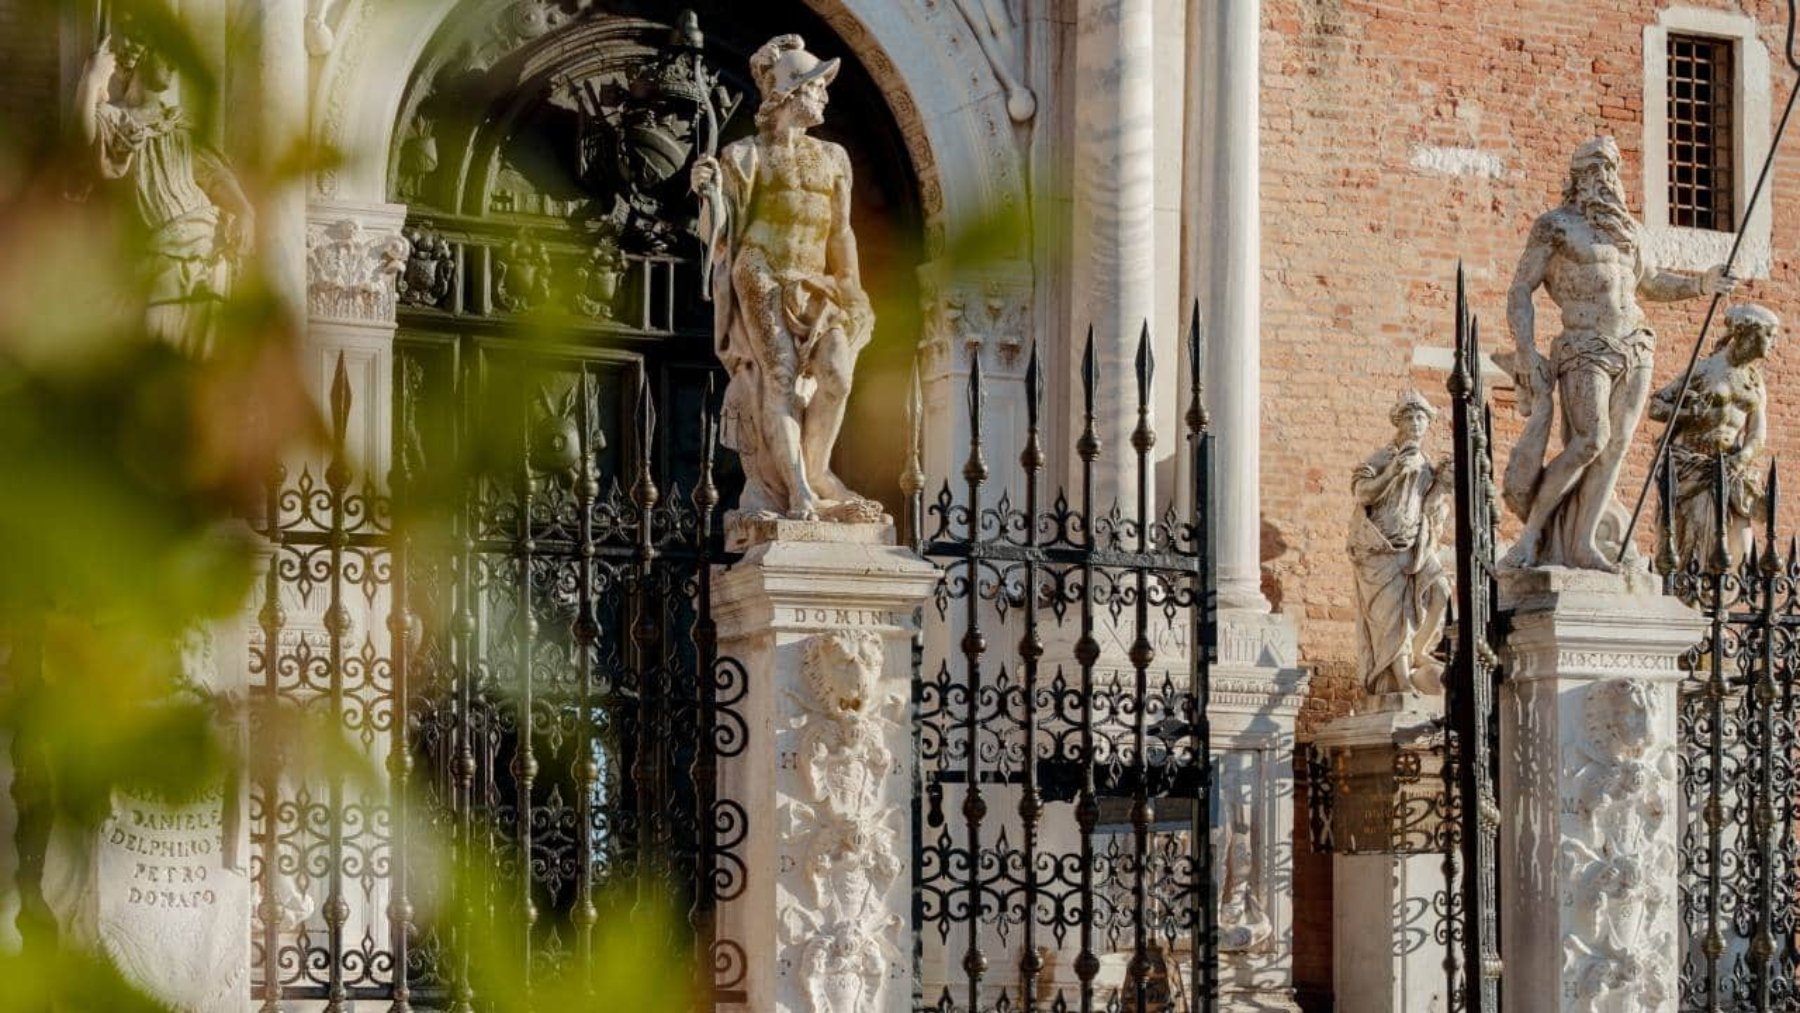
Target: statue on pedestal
[(1588, 256), (1402, 592), (196, 218), (1723, 414), (790, 311)]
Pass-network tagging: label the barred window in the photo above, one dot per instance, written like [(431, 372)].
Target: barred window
[(1700, 132)]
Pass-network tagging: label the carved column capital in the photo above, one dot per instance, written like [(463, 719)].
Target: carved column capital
[(980, 311), (350, 272)]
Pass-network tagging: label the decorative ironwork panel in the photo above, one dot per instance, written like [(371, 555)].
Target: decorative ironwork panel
[(520, 640), (1740, 878), (1064, 828)]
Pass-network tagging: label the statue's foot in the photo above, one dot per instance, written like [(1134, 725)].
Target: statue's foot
[(806, 508), (1523, 554), (830, 486), (1589, 558)]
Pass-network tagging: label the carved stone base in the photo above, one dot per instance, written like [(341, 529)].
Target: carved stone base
[(1387, 958), (821, 618), (1589, 882), (1258, 687)]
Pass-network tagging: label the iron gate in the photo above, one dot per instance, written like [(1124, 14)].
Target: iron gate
[(520, 638), (1094, 891), (1740, 861)]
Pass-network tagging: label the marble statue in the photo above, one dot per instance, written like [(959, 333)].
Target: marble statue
[(790, 311), (1723, 413), (1402, 591), (196, 218), (1588, 255)]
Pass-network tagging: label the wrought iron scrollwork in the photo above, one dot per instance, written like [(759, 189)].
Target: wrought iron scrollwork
[(1063, 822), (532, 663)]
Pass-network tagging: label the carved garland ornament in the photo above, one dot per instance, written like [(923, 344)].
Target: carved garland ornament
[(352, 274), (847, 846), (1617, 855)]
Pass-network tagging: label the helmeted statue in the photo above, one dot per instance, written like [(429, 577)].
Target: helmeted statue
[(790, 311), (1724, 413), (1588, 255), (196, 217), (1402, 592)]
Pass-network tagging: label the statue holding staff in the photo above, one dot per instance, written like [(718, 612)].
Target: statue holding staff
[(1588, 255), (790, 314)]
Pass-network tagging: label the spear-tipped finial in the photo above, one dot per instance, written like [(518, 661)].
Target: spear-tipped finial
[(1145, 363), (1034, 390), (912, 476), (706, 493), (645, 484), (1771, 562), (1197, 419), (1090, 373), (340, 402)]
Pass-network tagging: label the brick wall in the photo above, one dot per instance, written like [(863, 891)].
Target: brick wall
[(30, 69), (1361, 246)]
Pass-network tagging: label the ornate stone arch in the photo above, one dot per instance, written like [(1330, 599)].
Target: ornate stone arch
[(938, 85)]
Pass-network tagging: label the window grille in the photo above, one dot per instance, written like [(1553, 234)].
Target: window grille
[(1700, 132)]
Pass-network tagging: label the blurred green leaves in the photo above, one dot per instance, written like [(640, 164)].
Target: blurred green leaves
[(131, 479)]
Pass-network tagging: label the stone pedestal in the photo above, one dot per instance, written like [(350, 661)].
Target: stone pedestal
[(821, 617), (1589, 884), (1258, 688), (1387, 957)]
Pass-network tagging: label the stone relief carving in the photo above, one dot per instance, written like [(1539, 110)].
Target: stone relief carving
[(790, 311), (1618, 853), (983, 311), (351, 273), (997, 31), (1402, 592), (523, 279), (197, 220), (850, 860), (1588, 256), (430, 273), (1724, 413)]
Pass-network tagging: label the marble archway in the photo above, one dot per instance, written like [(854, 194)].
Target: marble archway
[(938, 85)]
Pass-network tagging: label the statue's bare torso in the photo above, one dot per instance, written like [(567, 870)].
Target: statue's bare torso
[(1592, 281), (791, 215)]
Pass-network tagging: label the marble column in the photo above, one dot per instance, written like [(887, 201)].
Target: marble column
[(265, 119), (820, 617), (1590, 880), (1230, 250), (1114, 269)]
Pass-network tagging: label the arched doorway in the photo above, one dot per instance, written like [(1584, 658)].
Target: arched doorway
[(542, 152), (551, 312)]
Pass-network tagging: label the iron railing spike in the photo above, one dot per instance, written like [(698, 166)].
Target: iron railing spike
[(340, 403), (1090, 373), (1034, 394), (1145, 363)]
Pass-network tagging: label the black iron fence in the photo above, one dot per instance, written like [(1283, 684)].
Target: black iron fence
[(520, 641), (1740, 862), (1063, 857)]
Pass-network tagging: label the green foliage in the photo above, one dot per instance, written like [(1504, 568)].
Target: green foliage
[(127, 473)]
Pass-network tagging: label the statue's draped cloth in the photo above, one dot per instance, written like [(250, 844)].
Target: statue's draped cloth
[(1396, 571)]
